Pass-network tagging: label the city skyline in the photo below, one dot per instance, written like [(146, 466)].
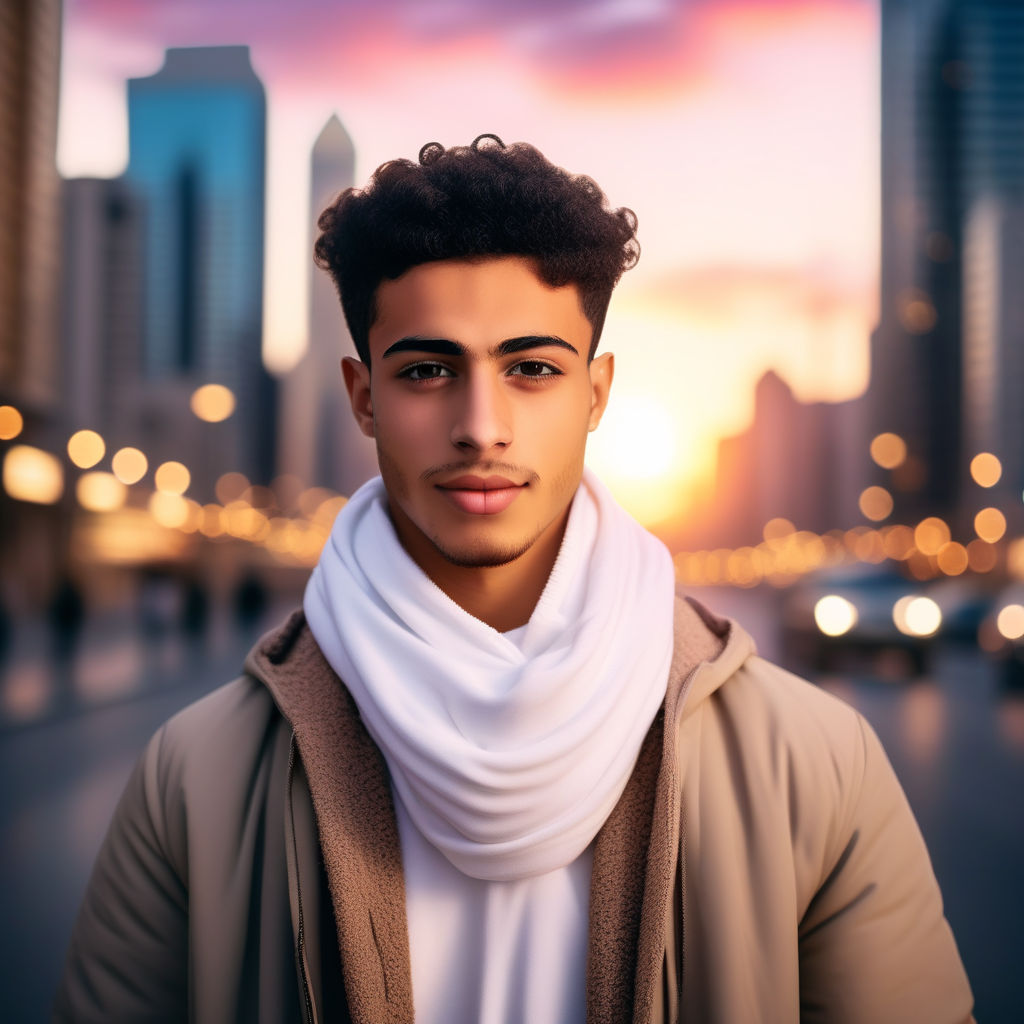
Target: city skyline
[(742, 133)]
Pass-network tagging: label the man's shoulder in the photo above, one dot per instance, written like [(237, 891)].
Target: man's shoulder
[(228, 726), (792, 731)]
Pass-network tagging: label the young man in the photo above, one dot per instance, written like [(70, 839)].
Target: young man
[(497, 770)]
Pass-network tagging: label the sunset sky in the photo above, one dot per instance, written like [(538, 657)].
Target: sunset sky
[(744, 133)]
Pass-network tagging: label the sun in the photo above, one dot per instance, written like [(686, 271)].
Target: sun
[(637, 439), (636, 452)]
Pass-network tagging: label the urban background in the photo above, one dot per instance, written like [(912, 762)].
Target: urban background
[(818, 403)]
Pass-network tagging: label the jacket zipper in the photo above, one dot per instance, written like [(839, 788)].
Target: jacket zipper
[(681, 957), (300, 941)]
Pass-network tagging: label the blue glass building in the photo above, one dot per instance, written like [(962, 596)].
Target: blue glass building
[(197, 145)]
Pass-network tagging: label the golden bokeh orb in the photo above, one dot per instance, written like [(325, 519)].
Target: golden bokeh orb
[(11, 422), (930, 535), (1010, 621), (30, 474), (835, 615), (129, 465), (875, 503), (86, 448), (953, 559), (888, 450), (990, 525), (917, 616), (213, 402), (168, 509), (98, 491), (986, 469), (172, 478)]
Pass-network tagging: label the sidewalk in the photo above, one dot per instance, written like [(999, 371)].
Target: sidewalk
[(116, 658)]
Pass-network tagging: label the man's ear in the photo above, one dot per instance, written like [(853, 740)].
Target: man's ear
[(602, 369), (357, 382)]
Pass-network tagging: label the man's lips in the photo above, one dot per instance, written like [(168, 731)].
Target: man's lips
[(481, 495), (471, 482)]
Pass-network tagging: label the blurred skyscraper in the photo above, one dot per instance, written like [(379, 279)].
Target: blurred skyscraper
[(946, 354), (30, 32), (989, 37), (916, 350), (321, 443), (197, 142), (101, 308), (32, 539)]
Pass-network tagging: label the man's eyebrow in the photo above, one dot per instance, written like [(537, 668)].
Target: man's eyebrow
[(434, 346), (446, 347), (512, 345)]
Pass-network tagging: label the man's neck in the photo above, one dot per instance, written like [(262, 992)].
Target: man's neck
[(503, 596)]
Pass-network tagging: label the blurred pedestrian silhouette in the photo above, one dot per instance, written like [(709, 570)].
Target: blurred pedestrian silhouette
[(66, 614), (250, 601)]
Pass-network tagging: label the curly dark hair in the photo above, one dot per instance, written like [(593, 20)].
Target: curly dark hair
[(474, 202)]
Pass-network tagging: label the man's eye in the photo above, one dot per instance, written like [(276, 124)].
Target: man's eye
[(533, 368), (426, 371)]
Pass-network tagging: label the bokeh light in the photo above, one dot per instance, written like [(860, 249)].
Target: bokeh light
[(990, 525), (129, 465), (953, 559), (835, 615), (212, 402), (898, 542), (917, 616), (98, 491), (231, 486), (11, 422), (930, 535), (30, 474), (875, 503), (172, 478), (986, 469), (916, 312), (1010, 621), (982, 556), (168, 509), (777, 528), (888, 450), (86, 448), (212, 523)]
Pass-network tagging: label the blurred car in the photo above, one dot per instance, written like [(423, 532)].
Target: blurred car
[(874, 617), (1002, 635)]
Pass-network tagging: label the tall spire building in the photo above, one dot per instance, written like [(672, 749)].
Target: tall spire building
[(197, 151), (321, 443)]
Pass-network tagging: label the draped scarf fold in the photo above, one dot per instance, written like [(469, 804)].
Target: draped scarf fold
[(508, 755)]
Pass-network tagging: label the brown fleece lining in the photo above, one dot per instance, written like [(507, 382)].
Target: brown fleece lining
[(349, 784), (635, 851)]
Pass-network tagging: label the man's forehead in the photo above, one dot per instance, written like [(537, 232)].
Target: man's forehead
[(478, 304)]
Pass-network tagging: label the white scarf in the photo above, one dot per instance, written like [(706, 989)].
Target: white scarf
[(508, 756)]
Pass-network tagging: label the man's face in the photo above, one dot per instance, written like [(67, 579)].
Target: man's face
[(480, 400)]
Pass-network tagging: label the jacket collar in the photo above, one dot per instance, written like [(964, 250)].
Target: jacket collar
[(635, 853)]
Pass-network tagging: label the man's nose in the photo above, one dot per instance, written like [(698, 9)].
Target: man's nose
[(483, 418)]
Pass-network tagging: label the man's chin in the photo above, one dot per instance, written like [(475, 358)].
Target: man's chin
[(481, 555)]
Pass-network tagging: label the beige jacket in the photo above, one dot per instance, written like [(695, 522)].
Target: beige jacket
[(762, 865)]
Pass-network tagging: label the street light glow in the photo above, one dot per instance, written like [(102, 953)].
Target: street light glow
[(86, 448), (11, 422), (213, 402), (834, 615), (888, 450), (172, 478), (98, 491), (917, 616), (30, 474), (986, 469), (129, 465)]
